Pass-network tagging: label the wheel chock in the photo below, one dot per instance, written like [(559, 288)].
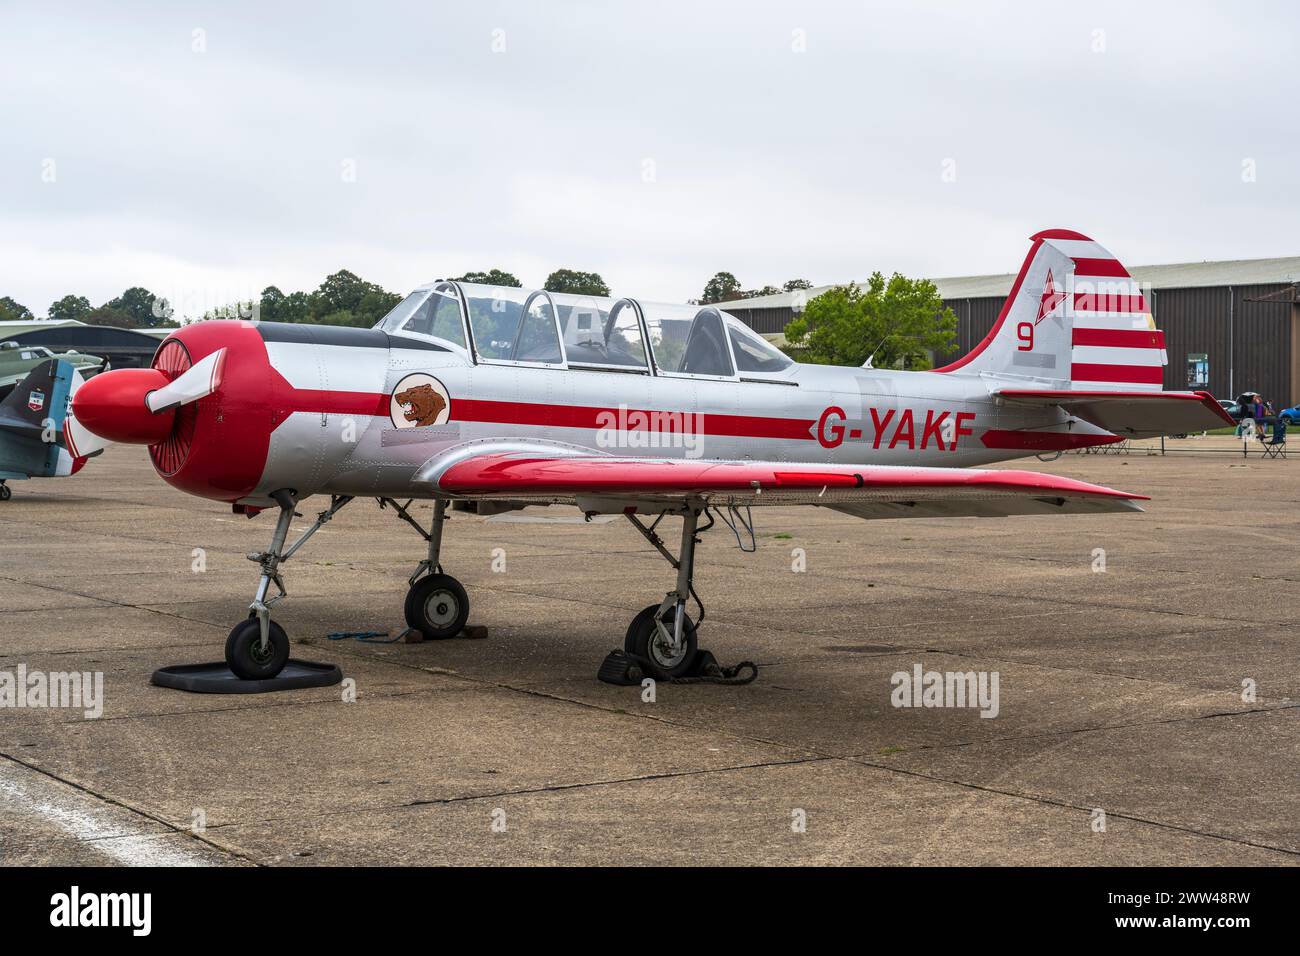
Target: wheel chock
[(409, 635), (619, 669), (623, 670)]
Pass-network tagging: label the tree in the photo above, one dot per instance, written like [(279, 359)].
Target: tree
[(138, 303), (341, 291), (491, 277), (794, 285), (346, 299), (296, 307), (11, 311), (341, 317), (374, 305), (755, 293), (723, 287), (900, 320), (576, 283), (69, 308), (270, 304)]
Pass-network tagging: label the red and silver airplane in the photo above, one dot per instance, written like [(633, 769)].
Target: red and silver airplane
[(508, 397)]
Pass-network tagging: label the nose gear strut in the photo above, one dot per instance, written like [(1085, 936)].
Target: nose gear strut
[(661, 641), (258, 648)]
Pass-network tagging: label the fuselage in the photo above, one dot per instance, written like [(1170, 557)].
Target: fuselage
[(316, 409)]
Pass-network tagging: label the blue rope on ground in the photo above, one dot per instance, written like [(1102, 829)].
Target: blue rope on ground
[(368, 637)]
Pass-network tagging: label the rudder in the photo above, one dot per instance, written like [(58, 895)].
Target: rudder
[(1075, 318)]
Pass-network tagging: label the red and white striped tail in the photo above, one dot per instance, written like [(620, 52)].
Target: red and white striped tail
[(1074, 316)]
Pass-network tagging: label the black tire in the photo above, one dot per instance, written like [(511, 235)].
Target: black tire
[(5, 492), (244, 650), (437, 606), (638, 642)]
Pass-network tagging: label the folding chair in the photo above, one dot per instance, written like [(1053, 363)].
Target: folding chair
[(1276, 446)]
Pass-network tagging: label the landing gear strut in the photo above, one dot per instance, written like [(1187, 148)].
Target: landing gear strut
[(258, 648), (436, 604), (663, 636)]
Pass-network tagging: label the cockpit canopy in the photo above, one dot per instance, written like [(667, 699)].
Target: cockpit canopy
[(25, 352), (500, 324)]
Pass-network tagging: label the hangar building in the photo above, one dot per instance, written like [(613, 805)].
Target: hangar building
[(123, 348), (1229, 326)]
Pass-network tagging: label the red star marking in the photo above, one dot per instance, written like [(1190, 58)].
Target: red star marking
[(1050, 300)]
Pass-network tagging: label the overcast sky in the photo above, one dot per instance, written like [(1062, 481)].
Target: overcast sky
[(206, 150)]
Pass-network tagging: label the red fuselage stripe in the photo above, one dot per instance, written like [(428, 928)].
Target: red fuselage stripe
[(586, 416), (338, 403), (564, 416)]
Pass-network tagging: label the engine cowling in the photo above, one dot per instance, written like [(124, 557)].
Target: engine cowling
[(215, 446)]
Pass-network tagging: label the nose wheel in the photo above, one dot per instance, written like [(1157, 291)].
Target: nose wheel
[(437, 606), (5, 492), (258, 648), (249, 658)]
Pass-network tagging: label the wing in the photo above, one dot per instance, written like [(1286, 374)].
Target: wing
[(1132, 414), (607, 484)]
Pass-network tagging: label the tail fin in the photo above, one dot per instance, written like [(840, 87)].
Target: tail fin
[(33, 414), (1075, 318), (40, 401)]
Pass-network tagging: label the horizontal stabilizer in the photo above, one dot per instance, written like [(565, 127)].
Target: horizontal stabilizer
[(1130, 414)]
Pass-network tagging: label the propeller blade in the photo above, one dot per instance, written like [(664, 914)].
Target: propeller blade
[(194, 383)]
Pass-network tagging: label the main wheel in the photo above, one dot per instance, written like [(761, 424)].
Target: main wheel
[(245, 655), (644, 640), (437, 606), (5, 492)]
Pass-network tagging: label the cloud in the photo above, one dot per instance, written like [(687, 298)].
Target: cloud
[(653, 145)]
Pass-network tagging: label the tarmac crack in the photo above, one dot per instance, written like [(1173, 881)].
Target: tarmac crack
[(532, 791), (108, 602), (1065, 804), (1100, 728)]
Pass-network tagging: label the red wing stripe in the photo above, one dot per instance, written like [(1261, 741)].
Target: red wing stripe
[(1120, 338), (500, 474), (1079, 394), (1108, 302), (1099, 267), (1134, 374)]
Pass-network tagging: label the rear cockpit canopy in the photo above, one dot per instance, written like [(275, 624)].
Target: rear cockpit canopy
[(500, 324)]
